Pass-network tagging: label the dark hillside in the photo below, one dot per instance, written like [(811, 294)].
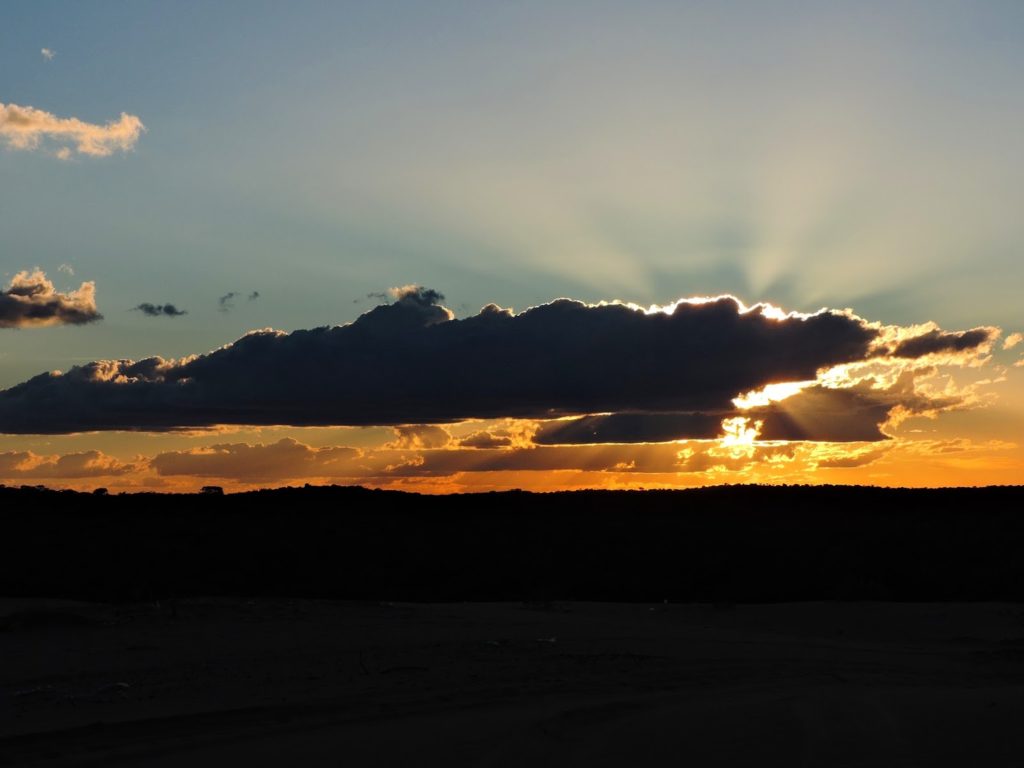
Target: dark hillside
[(723, 544)]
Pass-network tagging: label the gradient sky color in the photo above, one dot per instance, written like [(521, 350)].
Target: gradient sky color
[(845, 155)]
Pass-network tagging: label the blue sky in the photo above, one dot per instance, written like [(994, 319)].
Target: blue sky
[(840, 154)]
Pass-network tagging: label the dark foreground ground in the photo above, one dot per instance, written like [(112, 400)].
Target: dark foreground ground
[(344, 627), (229, 682)]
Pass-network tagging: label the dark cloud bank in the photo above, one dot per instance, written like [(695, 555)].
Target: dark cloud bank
[(817, 413), (411, 362)]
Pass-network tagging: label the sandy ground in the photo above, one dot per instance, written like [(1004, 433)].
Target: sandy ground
[(272, 683)]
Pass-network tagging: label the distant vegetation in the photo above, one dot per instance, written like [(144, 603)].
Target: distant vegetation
[(731, 544)]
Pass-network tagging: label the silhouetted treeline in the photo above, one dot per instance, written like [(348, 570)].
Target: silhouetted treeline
[(734, 544)]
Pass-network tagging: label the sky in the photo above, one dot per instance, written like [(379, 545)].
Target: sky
[(176, 176)]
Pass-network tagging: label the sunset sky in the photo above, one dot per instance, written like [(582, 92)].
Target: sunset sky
[(472, 246)]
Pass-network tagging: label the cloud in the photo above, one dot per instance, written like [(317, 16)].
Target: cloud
[(412, 362), (1013, 340), (850, 461), (652, 458), (159, 310), (291, 460), (285, 459), (485, 439), (227, 302), (937, 341), (47, 54), (416, 294), (67, 269), (25, 128), (816, 414), (631, 428), (25, 464), (420, 436), (30, 300)]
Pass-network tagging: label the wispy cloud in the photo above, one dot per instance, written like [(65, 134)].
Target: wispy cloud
[(227, 302), (25, 128), (48, 54), (159, 310)]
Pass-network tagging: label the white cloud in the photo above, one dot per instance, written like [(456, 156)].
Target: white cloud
[(48, 54), (26, 127)]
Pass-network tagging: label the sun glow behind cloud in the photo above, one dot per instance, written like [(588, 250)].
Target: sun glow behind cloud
[(770, 393), (740, 434)]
